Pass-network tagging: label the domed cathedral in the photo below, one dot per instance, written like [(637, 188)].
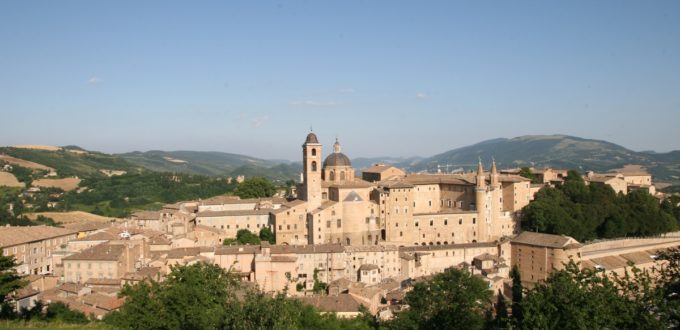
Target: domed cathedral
[(337, 167), (335, 206)]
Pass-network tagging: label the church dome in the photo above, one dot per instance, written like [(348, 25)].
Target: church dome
[(311, 138), (337, 159)]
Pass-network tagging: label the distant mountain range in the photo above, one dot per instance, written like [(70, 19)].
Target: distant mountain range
[(559, 151), (213, 163)]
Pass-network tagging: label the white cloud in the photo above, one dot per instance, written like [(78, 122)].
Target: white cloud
[(258, 121), (94, 80), (422, 95), (311, 103), (346, 90)]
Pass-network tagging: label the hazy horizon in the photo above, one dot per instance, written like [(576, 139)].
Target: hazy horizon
[(394, 79)]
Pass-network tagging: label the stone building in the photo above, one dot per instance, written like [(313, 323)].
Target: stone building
[(387, 205), (33, 246), (537, 254)]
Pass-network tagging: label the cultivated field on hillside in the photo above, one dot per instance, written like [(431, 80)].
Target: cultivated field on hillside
[(9, 180), (66, 184), (24, 163), (36, 147), (70, 217)]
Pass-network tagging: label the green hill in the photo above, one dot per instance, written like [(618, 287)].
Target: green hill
[(73, 161), (212, 163)]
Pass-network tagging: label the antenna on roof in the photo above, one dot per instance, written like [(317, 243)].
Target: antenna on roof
[(311, 129)]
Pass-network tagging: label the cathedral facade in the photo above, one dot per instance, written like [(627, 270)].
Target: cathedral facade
[(386, 205)]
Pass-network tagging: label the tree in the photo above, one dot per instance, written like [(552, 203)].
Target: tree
[(594, 211), (526, 172), (517, 292), (9, 280), (267, 235), (319, 286), (203, 296), (255, 187), (58, 311), (453, 299), (192, 297), (501, 320), (589, 299)]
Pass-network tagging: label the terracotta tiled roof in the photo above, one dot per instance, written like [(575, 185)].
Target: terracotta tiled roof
[(101, 301), (207, 214), (106, 252), (340, 303), (304, 249), (548, 240), (99, 236), (10, 236), (426, 248), (457, 179), (284, 258), (147, 215), (103, 281), (370, 248), (237, 249)]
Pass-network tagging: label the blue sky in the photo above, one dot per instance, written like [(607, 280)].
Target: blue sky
[(395, 78)]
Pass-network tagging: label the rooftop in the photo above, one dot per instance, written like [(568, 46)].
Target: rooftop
[(10, 236), (546, 240), (104, 252)]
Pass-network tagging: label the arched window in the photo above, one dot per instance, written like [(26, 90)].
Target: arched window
[(342, 175), (313, 151), (332, 175), (313, 166), (347, 240)]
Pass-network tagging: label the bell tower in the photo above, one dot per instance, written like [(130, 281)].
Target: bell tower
[(482, 203), (311, 163)]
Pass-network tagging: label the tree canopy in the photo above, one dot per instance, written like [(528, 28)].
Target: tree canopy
[(454, 299), (243, 237), (9, 279), (203, 296), (592, 211), (255, 187)]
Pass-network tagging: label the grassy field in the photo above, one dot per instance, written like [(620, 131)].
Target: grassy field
[(9, 180), (66, 184), (69, 217), (24, 163)]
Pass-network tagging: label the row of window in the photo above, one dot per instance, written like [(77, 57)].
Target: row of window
[(446, 222)]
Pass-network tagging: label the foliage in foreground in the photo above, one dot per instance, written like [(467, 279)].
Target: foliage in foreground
[(203, 296), (454, 299)]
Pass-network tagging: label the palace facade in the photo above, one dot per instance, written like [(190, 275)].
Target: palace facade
[(386, 205)]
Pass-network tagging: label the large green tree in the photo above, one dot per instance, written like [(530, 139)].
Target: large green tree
[(454, 299), (255, 187), (203, 296), (593, 211), (9, 282), (517, 295), (588, 299), (243, 237)]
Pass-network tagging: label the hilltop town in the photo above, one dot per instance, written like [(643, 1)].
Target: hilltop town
[(342, 237)]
